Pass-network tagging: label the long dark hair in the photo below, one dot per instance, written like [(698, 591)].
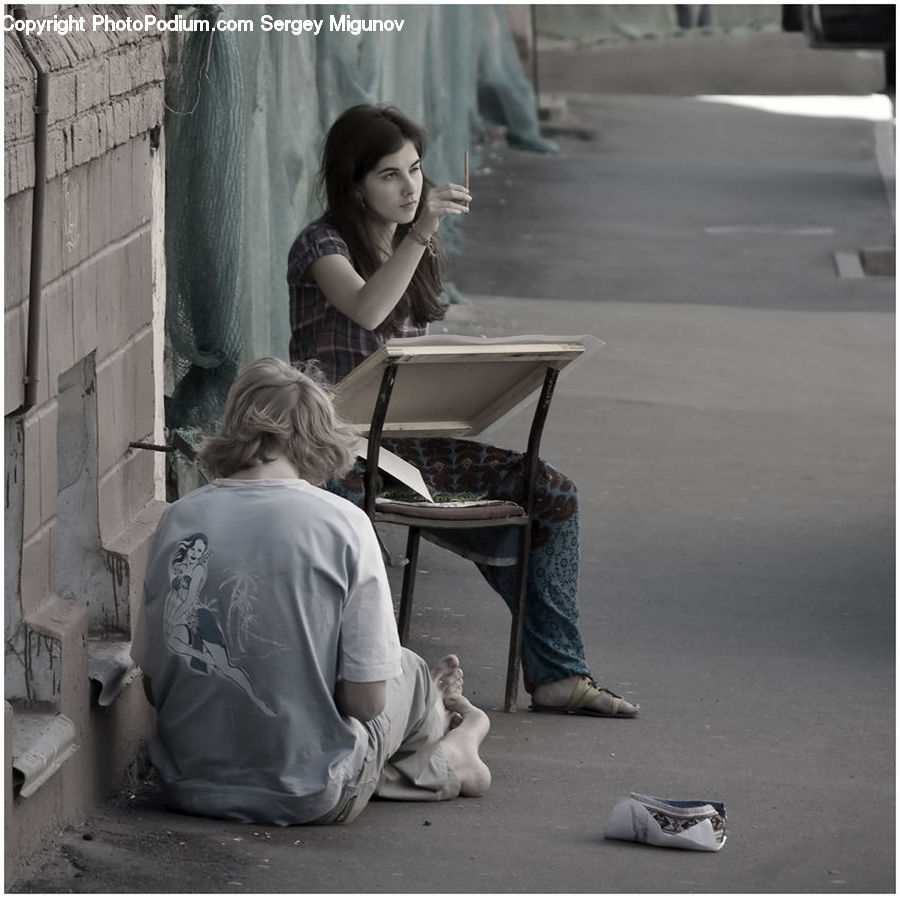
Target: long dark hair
[(355, 142)]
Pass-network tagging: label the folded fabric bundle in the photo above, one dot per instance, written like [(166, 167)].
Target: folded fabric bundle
[(696, 825)]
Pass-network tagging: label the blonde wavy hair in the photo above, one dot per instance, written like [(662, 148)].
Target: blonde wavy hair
[(274, 408)]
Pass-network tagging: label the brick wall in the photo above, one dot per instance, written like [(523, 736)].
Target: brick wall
[(76, 540)]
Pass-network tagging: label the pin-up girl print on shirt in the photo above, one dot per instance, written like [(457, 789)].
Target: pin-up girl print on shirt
[(191, 628)]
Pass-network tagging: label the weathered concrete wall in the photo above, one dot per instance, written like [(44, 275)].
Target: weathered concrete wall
[(81, 504)]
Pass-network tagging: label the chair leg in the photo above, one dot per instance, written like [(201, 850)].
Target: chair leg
[(514, 663), (409, 584)]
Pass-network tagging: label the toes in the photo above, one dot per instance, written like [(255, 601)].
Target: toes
[(616, 706), (446, 665), (458, 703), (451, 681)]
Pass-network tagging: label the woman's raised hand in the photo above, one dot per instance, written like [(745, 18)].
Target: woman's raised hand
[(450, 199)]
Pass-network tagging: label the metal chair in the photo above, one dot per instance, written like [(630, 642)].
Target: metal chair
[(536, 365)]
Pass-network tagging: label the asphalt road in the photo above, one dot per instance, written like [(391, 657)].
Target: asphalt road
[(733, 442)]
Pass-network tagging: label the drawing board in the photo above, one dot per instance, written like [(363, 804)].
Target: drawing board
[(451, 385)]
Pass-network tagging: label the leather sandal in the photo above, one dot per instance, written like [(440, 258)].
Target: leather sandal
[(584, 692)]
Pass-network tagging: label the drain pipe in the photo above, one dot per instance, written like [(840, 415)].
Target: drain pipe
[(41, 115)]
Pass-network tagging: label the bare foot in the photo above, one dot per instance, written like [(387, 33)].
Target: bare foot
[(461, 746), (448, 677), (605, 703)]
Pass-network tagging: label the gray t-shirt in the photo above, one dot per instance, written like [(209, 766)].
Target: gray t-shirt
[(259, 596)]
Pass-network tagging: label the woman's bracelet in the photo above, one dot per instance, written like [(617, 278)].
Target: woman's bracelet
[(422, 240)]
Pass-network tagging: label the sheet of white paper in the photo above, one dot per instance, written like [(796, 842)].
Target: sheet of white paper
[(397, 467)]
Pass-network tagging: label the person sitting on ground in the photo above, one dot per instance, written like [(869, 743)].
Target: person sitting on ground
[(267, 638), (368, 270)]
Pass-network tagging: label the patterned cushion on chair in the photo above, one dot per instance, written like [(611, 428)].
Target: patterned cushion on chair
[(478, 510)]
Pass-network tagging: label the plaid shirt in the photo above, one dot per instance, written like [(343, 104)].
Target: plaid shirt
[(318, 330)]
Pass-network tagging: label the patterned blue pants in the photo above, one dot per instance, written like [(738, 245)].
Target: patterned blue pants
[(552, 647)]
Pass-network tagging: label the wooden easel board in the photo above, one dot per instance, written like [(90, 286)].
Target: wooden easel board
[(451, 385)]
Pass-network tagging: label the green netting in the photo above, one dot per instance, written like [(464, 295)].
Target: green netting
[(205, 218), (241, 166)]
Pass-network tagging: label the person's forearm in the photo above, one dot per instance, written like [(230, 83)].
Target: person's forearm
[(385, 288), (370, 302), (360, 700)]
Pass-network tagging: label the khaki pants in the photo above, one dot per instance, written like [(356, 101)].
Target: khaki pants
[(404, 761)]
